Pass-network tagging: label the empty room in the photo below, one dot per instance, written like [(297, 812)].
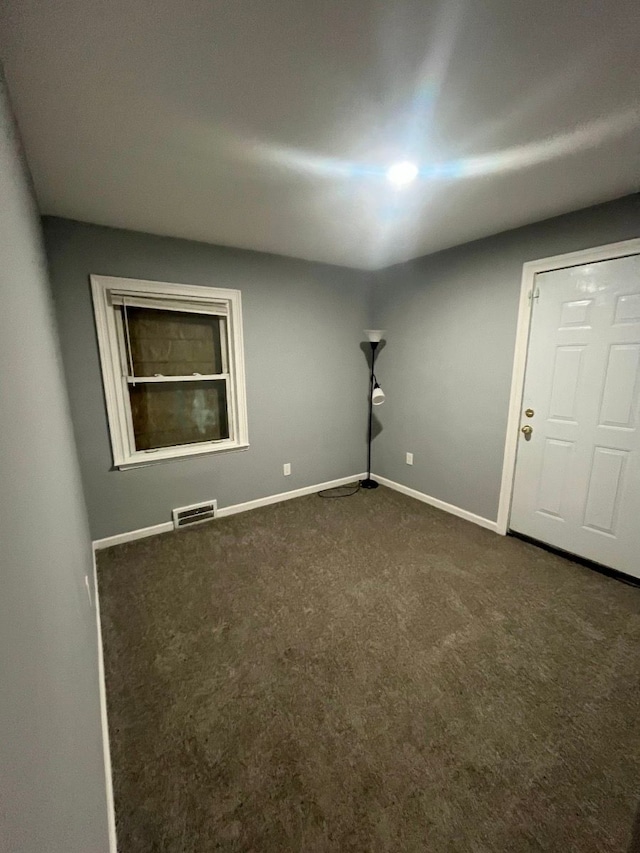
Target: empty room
[(320, 426)]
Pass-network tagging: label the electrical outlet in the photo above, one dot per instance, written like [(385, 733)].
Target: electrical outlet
[(409, 458), (286, 469)]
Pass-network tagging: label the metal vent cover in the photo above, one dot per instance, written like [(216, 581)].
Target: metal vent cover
[(185, 516)]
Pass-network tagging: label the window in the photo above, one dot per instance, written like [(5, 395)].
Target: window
[(172, 368)]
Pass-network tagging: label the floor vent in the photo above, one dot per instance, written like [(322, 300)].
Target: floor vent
[(185, 516)]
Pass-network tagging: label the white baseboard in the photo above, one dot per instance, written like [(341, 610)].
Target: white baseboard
[(111, 812), (224, 511), (436, 502), (166, 526), (132, 535), (286, 496)]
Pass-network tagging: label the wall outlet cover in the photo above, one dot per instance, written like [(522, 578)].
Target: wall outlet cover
[(409, 458), (286, 469)]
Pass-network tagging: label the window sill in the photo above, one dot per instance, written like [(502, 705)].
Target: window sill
[(143, 459)]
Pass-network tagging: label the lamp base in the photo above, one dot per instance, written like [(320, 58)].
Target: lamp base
[(368, 484)]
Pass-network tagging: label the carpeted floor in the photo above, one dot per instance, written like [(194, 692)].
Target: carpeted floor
[(368, 674)]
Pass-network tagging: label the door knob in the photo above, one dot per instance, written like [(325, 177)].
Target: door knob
[(526, 431)]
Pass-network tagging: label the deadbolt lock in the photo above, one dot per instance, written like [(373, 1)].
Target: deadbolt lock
[(526, 431), (529, 413)]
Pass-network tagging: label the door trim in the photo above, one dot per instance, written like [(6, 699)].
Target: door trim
[(529, 272)]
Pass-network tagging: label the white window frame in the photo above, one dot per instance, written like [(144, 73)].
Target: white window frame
[(107, 292)]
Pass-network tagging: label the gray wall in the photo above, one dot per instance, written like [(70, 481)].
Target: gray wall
[(451, 321), (52, 786), (446, 369), (306, 375)]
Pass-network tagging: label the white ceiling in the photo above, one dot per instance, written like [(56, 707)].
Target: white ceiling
[(268, 125)]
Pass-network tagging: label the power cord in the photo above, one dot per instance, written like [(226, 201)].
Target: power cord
[(326, 493)]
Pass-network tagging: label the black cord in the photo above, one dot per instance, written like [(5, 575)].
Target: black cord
[(325, 492)]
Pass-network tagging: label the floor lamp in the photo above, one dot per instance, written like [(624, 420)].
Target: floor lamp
[(376, 398)]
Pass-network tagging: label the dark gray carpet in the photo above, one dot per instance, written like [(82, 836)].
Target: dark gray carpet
[(368, 674)]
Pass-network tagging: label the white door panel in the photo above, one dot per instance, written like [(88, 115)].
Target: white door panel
[(605, 485), (577, 481)]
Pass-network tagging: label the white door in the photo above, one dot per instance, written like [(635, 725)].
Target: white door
[(577, 480)]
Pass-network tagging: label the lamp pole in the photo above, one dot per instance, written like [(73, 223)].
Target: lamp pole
[(368, 483)]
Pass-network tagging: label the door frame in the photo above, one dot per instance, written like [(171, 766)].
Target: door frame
[(529, 272)]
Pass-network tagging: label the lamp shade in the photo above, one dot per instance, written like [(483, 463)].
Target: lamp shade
[(377, 398), (374, 335)]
